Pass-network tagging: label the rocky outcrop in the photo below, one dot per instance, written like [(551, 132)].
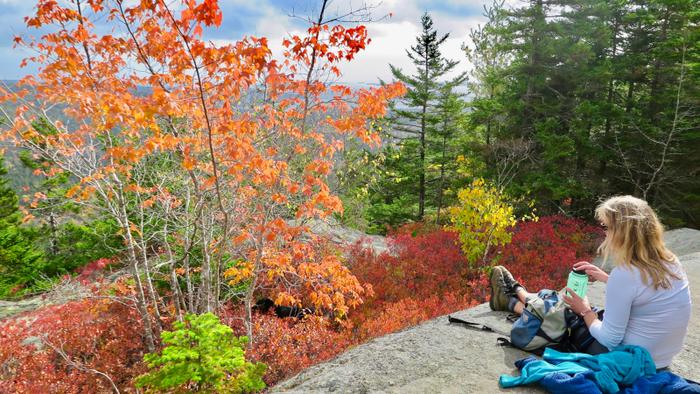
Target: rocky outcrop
[(331, 230), (63, 292), (10, 308), (436, 357)]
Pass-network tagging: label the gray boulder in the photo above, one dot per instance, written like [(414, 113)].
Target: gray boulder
[(331, 230)]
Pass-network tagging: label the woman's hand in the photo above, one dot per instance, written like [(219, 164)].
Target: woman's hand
[(594, 273), (576, 303)]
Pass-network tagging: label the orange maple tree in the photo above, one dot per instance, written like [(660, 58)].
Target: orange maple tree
[(209, 156)]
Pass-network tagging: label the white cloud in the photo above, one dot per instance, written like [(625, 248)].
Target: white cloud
[(390, 37), (388, 46)]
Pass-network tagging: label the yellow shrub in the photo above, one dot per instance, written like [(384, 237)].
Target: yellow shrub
[(481, 219)]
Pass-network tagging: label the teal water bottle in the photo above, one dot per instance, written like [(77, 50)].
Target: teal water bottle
[(578, 282)]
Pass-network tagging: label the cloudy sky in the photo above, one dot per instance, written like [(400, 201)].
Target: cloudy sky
[(271, 18)]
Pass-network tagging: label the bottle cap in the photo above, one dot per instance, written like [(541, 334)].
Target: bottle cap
[(580, 272)]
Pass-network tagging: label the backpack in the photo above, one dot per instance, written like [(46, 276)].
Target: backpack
[(548, 322)]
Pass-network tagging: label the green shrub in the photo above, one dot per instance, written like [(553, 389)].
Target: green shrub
[(20, 261), (202, 355), (78, 244)]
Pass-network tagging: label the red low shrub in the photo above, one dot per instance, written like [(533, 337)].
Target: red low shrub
[(95, 335), (542, 253), (93, 270), (420, 264), (409, 312), (288, 345), (424, 275)]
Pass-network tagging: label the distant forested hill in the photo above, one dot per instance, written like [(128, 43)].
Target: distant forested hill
[(20, 177)]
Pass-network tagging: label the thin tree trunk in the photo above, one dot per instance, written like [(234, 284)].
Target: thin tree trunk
[(442, 170), (140, 296), (205, 288), (488, 159), (421, 181), (309, 74), (149, 282), (630, 97), (191, 307), (671, 133), (54, 236), (178, 300), (533, 62)]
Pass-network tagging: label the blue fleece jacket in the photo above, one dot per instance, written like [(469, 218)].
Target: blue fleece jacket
[(620, 367), (559, 382), (533, 370), (584, 382)]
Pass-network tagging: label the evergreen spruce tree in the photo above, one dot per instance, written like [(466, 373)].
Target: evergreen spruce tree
[(488, 80), (605, 92), (9, 213), (445, 145), (415, 121)]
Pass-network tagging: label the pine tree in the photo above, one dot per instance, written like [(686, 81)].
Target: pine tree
[(446, 144), (415, 118), (606, 94), (489, 63)]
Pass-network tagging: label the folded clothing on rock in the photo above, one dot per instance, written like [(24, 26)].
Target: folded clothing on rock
[(565, 378), (623, 365), (620, 367), (584, 382), (627, 368)]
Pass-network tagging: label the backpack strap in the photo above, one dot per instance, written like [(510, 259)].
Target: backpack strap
[(476, 326), (501, 341), (544, 335)]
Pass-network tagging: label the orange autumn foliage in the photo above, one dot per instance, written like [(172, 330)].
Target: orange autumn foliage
[(219, 144)]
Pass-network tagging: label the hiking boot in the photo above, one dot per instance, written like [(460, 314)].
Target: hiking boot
[(499, 299), (509, 283)]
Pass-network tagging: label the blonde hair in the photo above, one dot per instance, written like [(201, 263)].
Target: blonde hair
[(635, 237)]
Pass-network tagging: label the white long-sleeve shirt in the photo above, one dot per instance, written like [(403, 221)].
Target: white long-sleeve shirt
[(637, 314)]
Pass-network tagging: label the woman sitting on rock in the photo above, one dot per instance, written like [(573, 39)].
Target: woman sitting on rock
[(647, 296)]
